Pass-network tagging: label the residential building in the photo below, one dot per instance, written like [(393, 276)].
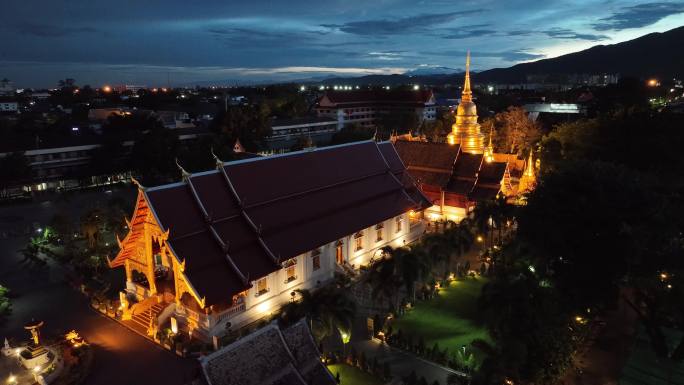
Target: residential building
[(365, 107), (287, 132)]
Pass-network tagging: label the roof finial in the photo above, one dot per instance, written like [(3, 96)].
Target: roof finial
[(467, 94), (218, 161), (184, 173), (137, 183)]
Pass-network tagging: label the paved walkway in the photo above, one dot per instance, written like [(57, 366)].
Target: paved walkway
[(121, 356), (402, 363)]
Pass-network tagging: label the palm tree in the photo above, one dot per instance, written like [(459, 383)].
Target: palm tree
[(382, 278), (439, 248), (91, 222), (410, 264), (460, 237), (327, 309)]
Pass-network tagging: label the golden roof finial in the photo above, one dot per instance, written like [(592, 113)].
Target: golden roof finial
[(529, 168), (467, 95)]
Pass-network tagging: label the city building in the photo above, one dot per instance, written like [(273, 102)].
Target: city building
[(365, 107), (287, 132), (457, 174), (228, 246), (269, 356), (9, 106)]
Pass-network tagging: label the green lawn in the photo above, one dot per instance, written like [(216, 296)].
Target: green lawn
[(449, 319), (350, 375)]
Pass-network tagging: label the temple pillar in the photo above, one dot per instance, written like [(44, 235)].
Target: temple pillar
[(127, 266), (149, 259)]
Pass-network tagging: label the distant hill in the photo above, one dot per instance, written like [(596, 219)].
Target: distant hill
[(656, 54)]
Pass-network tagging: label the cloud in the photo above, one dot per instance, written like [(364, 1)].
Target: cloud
[(509, 56), (405, 25), (49, 30), (468, 31), (568, 34), (637, 16)]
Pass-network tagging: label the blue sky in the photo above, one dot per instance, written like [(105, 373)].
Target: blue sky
[(147, 41)]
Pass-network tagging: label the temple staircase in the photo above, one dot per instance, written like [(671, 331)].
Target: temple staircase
[(140, 321)]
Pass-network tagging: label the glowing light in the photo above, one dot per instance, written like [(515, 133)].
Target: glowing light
[(302, 88), (532, 269), (12, 379), (490, 88), (37, 369), (653, 82), (345, 337), (263, 307), (17, 351), (107, 89), (663, 276), (416, 87), (480, 239)]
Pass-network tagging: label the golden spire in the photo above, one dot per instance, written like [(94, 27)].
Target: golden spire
[(529, 167), (489, 150), (467, 94)]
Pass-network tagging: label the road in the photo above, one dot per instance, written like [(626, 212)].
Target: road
[(121, 356)]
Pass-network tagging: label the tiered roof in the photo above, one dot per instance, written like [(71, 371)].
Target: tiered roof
[(269, 356), (449, 168), (238, 223)]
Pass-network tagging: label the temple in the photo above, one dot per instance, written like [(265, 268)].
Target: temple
[(226, 247), (269, 356), (458, 173)]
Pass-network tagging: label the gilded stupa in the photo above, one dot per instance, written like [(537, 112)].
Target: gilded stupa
[(466, 130)]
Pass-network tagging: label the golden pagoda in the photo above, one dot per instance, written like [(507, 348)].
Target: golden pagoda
[(529, 179), (466, 131)]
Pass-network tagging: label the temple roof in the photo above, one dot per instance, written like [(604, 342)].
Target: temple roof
[(445, 166), (238, 223), (429, 163), (269, 356)]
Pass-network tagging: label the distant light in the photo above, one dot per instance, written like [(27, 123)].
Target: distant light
[(39, 230), (490, 88), (532, 269), (357, 87), (416, 87), (321, 88), (334, 87), (74, 128), (653, 83), (107, 89), (302, 88)]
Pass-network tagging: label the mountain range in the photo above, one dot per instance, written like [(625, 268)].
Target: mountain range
[(658, 55)]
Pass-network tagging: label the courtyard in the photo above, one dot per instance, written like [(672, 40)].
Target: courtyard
[(449, 319)]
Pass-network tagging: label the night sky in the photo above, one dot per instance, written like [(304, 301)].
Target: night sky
[(149, 41)]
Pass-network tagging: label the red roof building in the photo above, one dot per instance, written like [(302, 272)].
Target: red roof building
[(231, 244), (364, 107)]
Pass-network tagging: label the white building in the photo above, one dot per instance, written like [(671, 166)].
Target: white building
[(365, 107), (229, 246)]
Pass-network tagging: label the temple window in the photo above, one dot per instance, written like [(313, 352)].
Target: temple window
[(290, 267), (316, 259), (261, 286), (399, 221), (358, 241), (378, 232)]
